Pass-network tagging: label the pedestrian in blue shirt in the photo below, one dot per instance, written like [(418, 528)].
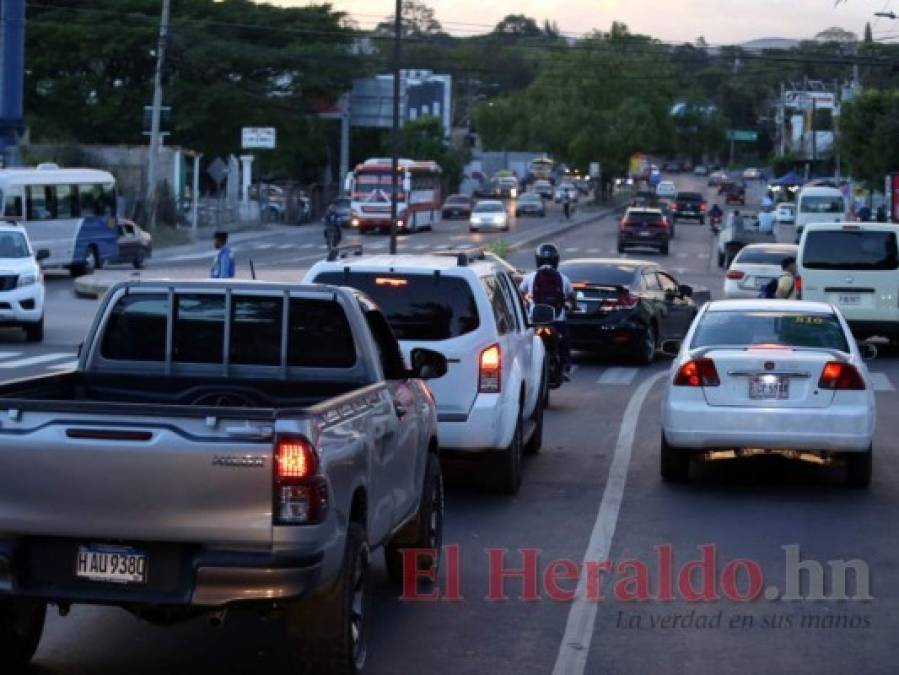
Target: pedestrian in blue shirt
[(223, 265)]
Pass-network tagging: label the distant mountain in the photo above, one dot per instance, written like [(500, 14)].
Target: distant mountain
[(769, 43)]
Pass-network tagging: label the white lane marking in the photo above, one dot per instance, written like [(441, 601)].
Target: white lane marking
[(33, 360), (881, 382), (571, 250), (308, 246), (703, 256), (592, 250), (421, 247), (285, 246), (63, 366), (617, 376), (683, 255), (322, 247), (262, 247), (458, 237), (9, 355), (575, 646)]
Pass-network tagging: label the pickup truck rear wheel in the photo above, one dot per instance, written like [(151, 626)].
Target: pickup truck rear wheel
[(329, 631), (508, 462), (428, 527), (535, 442), (21, 627)]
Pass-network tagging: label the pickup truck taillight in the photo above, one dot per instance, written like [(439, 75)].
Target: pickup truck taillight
[(839, 375), (490, 370), (697, 373), (301, 494), (736, 275)]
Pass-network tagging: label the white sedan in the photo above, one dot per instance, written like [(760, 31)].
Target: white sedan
[(489, 215), (666, 188), (768, 376), (754, 267)]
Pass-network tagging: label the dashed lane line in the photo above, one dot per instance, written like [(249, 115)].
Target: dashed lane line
[(881, 382), (34, 360), (622, 376)]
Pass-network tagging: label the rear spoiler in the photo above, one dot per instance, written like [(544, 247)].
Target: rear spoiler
[(836, 353)]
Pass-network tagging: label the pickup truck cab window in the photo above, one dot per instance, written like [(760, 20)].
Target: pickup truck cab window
[(135, 330), (318, 335), (199, 328), (256, 323)]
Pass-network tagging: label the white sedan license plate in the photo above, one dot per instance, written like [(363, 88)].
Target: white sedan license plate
[(850, 299), (112, 564), (763, 387), (644, 233)]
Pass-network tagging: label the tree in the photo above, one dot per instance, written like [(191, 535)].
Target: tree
[(869, 135), (836, 34), (518, 25), (418, 20), (423, 139), (869, 35)]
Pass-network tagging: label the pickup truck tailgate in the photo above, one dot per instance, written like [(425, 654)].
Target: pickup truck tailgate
[(178, 479)]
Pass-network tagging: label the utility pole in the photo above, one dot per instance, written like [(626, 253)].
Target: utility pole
[(395, 132), (783, 121), (153, 157), (814, 134)]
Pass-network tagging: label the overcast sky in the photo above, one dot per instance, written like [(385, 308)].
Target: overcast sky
[(724, 21)]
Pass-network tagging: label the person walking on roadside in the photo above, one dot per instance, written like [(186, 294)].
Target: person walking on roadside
[(566, 204), (786, 284), (333, 234), (223, 264)]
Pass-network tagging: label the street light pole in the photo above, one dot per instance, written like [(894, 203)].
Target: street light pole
[(153, 158), (395, 132)]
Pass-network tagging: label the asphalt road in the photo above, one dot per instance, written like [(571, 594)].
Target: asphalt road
[(593, 493)]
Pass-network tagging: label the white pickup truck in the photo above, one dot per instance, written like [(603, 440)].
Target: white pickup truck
[(221, 445)]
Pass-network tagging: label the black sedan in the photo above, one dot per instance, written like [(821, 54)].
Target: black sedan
[(135, 244), (626, 307), (457, 206), (530, 204)]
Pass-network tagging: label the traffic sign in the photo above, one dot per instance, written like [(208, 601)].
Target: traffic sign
[(742, 136), (256, 138)]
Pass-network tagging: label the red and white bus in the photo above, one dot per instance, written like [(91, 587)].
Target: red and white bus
[(419, 201)]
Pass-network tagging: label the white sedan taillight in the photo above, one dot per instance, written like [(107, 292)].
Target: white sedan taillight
[(697, 373), (838, 375)]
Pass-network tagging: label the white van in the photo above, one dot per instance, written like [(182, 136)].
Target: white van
[(818, 204), (854, 266)]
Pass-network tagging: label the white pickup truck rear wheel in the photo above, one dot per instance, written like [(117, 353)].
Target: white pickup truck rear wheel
[(508, 462), (21, 627)]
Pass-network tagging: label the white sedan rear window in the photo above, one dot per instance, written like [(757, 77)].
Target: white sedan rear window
[(790, 329)]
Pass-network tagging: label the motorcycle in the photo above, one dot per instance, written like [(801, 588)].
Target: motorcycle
[(543, 318), (715, 223)]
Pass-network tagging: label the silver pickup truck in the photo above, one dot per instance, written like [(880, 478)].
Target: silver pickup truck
[(221, 445)]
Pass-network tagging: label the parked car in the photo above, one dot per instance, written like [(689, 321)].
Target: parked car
[(626, 307), (530, 204), (754, 267), (777, 376), (700, 170), (490, 404), (21, 283), (489, 215), (785, 213), (457, 206), (855, 267), (543, 188), (208, 458), (644, 227), (689, 205), (135, 244), (666, 189)]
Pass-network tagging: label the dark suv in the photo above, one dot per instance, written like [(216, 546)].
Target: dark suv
[(689, 205), (644, 227)]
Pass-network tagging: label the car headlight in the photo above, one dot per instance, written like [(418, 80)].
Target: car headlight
[(28, 279)]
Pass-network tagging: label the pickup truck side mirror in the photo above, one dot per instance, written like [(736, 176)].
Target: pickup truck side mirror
[(428, 364), (685, 291), (543, 315), (671, 347), (42, 254)]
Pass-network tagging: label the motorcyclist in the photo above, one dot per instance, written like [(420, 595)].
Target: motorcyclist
[(715, 213), (547, 286), (333, 234)]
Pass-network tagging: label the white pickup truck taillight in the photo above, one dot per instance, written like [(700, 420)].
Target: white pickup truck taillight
[(490, 370), (301, 494)]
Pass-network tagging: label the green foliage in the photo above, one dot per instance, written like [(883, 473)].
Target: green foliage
[(229, 64), (783, 165), (423, 139), (869, 135)]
